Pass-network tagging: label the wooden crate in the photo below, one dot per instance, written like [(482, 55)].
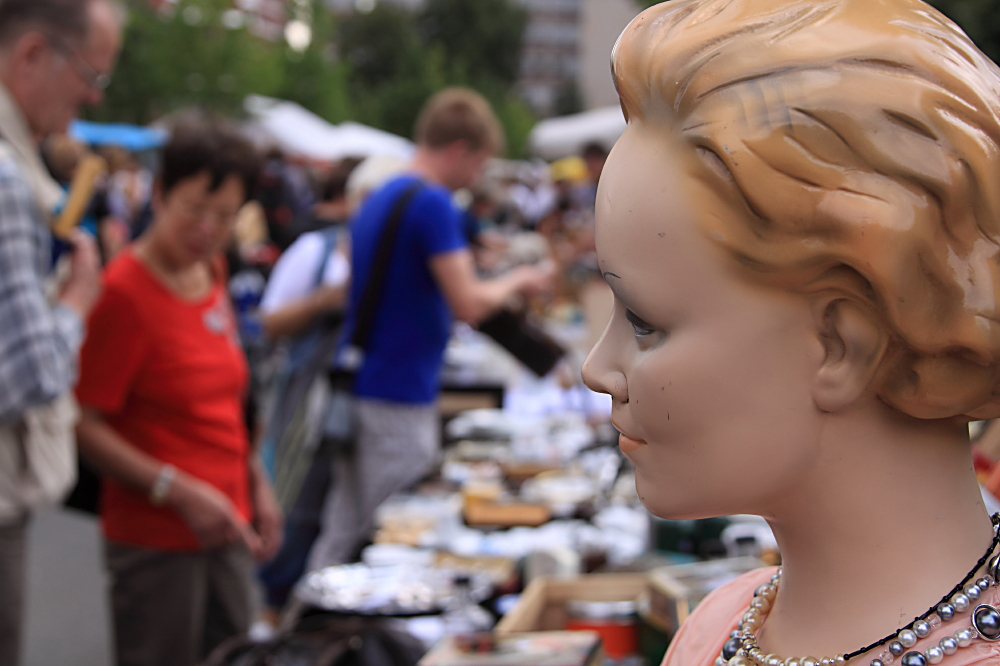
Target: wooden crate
[(542, 606), (675, 591), (483, 513)]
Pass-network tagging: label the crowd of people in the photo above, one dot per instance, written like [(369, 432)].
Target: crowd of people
[(176, 338)]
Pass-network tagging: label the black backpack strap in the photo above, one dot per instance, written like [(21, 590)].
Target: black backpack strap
[(376, 277)]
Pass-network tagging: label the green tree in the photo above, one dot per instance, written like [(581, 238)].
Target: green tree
[(389, 74), (979, 18), (187, 58), (380, 46), (485, 36), (377, 68), (397, 59), (317, 79)]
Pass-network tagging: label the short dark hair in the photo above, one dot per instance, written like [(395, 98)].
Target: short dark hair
[(594, 149), (334, 186), (68, 19), (208, 146)]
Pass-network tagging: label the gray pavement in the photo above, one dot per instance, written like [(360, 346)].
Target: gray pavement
[(68, 620)]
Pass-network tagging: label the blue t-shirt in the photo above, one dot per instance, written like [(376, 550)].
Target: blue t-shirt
[(412, 321)]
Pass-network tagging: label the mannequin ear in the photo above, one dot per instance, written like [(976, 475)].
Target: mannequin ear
[(854, 342)]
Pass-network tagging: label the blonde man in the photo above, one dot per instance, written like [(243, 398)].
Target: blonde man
[(430, 280)]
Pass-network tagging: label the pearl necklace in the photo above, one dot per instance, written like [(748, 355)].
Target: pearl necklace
[(742, 649)]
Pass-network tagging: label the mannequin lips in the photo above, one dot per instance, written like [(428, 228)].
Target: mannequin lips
[(627, 444)]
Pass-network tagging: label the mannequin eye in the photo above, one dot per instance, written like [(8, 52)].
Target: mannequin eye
[(639, 325)]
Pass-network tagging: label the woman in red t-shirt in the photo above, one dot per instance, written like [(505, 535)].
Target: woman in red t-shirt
[(186, 506)]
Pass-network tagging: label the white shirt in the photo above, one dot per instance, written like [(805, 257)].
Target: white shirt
[(294, 276)]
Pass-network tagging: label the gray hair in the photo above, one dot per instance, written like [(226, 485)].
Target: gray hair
[(69, 19)]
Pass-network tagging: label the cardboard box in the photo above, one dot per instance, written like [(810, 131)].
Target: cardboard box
[(542, 606)]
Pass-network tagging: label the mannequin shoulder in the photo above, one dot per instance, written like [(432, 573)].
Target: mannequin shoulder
[(700, 639)]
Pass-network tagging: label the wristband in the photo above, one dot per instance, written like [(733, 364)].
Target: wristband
[(161, 487)]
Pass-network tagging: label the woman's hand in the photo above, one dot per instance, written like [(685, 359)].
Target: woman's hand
[(210, 514), (207, 511), (268, 519)]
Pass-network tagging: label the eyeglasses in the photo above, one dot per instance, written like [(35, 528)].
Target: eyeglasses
[(199, 210), (84, 69)]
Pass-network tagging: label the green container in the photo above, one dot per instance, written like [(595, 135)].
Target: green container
[(686, 536), (653, 641)]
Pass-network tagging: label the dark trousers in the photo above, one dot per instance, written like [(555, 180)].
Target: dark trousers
[(13, 572), (302, 525), (173, 609)]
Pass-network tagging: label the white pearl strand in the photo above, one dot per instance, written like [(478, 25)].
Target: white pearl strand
[(750, 654), (947, 646)]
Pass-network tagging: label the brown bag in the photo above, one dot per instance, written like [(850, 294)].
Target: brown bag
[(525, 340)]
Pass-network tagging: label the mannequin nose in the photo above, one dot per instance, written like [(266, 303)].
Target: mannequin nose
[(601, 374)]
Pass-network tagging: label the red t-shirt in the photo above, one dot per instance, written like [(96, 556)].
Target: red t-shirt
[(169, 376)]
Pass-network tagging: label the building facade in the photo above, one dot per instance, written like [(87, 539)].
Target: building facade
[(550, 59), (567, 53), (601, 22)]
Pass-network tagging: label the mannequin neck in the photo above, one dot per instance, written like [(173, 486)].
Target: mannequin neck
[(887, 521)]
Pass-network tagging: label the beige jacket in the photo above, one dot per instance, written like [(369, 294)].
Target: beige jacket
[(38, 452)]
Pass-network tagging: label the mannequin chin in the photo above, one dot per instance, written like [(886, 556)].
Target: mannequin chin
[(800, 231)]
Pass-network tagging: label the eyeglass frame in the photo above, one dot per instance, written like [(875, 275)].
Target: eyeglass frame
[(94, 79)]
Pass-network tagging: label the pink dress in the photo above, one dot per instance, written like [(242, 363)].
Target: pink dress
[(700, 640)]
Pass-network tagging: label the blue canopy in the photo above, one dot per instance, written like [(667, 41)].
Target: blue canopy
[(131, 137)]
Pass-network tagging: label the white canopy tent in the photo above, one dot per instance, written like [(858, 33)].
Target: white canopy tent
[(563, 136), (355, 139), (299, 131)]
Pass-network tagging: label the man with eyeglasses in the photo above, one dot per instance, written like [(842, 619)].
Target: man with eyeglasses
[(55, 56)]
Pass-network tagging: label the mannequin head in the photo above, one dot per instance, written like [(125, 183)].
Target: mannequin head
[(803, 209)]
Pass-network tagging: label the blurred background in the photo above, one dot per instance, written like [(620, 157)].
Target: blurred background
[(320, 86)]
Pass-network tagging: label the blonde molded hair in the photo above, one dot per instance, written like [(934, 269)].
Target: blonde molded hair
[(862, 140)]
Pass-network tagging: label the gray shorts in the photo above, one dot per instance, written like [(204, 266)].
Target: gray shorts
[(397, 445)]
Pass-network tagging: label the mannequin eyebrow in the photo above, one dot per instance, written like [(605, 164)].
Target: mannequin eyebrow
[(616, 286), (622, 298)]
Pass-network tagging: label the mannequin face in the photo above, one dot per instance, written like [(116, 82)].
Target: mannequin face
[(711, 375)]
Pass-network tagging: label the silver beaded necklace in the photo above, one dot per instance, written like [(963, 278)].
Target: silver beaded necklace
[(742, 649)]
